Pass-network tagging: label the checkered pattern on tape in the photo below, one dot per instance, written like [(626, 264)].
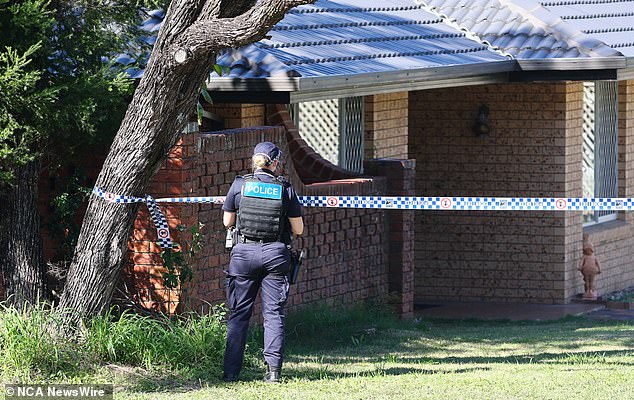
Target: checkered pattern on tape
[(417, 203), (205, 199), (469, 203), (162, 227), (116, 198)]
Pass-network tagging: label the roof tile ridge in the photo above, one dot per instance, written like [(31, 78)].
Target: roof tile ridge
[(468, 34), (560, 29)]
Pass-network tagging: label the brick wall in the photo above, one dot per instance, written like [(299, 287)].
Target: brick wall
[(142, 275), (534, 150), (54, 182), (333, 239), (386, 125), (626, 144), (350, 252), (347, 249)]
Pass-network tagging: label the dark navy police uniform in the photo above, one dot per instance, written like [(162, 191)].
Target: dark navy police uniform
[(258, 264)]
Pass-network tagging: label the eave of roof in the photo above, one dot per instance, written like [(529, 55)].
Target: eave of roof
[(316, 88), (574, 64)]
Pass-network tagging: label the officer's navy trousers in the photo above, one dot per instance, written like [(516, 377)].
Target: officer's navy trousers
[(254, 267)]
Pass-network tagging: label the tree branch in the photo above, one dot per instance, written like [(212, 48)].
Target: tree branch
[(211, 9), (179, 16), (211, 35), (225, 8)]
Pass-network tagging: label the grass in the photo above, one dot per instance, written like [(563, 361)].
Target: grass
[(31, 350), (366, 354)]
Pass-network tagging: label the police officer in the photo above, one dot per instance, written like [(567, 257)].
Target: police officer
[(265, 211)]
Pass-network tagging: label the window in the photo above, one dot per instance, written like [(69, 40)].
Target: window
[(334, 129), (600, 146)]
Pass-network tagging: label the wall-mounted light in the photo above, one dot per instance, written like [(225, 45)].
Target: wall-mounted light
[(482, 127)]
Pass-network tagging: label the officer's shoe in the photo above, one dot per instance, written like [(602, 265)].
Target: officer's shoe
[(229, 378), (273, 375)]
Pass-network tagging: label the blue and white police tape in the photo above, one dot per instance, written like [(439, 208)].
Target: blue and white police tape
[(160, 222), (421, 203), (385, 202), (471, 203)]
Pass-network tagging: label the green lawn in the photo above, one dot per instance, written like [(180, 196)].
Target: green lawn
[(575, 358), (331, 354)]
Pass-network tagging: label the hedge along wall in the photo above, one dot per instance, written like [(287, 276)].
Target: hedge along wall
[(347, 249)]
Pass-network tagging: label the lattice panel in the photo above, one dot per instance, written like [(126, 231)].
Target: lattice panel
[(351, 138), (319, 126), (587, 165)]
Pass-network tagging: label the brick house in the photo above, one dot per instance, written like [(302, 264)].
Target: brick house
[(369, 97), (556, 80)]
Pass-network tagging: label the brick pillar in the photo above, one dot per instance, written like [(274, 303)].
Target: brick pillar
[(238, 115), (626, 144), (572, 104), (400, 182), (385, 131)]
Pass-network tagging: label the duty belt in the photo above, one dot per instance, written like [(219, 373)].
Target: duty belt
[(246, 240)]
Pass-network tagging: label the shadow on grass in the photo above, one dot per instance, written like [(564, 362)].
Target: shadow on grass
[(581, 357), (331, 345), (316, 374)]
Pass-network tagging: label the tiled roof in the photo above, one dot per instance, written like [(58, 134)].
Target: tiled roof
[(610, 21), (340, 38), (348, 37), (523, 29)]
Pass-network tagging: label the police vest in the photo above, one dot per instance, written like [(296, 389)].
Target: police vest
[(261, 211)]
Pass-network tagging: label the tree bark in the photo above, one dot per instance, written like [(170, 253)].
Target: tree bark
[(158, 113), (20, 241)]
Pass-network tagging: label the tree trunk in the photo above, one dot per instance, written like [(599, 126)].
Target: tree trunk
[(151, 127), (20, 241), (184, 53)]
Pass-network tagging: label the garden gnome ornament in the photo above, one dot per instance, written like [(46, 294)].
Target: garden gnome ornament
[(590, 267)]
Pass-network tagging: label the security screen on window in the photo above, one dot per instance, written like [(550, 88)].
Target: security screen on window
[(600, 146)]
